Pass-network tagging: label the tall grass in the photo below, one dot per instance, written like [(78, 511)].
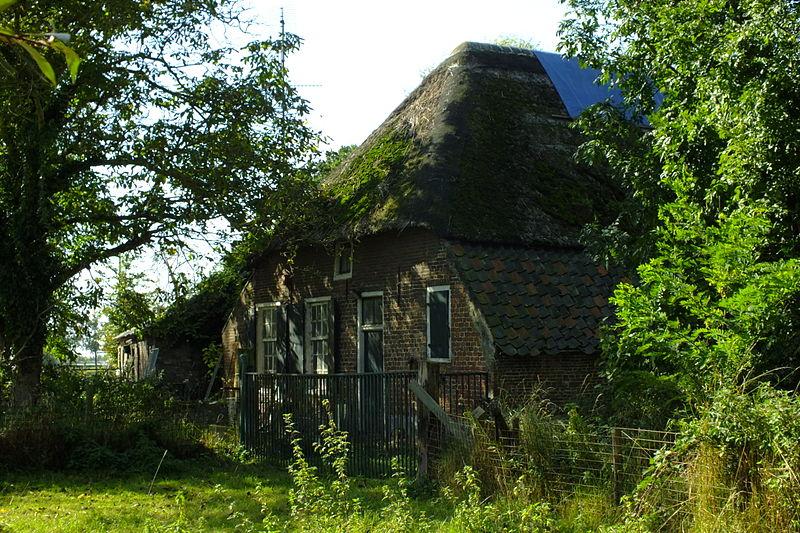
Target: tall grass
[(703, 490), (703, 483)]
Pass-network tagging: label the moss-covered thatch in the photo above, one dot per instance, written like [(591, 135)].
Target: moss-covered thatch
[(482, 150)]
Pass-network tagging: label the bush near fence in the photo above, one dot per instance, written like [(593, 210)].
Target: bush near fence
[(664, 480), (99, 420)]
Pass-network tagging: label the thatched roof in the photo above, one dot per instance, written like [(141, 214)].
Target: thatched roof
[(482, 150)]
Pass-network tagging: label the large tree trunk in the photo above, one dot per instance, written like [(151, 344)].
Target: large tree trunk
[(27, 374)]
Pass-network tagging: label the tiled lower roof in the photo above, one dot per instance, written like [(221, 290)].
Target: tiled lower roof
[(536, 301)]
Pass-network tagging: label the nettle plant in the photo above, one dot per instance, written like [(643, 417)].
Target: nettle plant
[(312, 498)]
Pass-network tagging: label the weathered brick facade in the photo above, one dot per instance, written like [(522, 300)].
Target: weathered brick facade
[(402, 266), (470, 183), (560, 378)]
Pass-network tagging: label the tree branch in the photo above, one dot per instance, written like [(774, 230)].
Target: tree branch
[(100, 255)]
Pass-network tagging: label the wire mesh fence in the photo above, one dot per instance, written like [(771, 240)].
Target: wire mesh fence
[(559, 460)]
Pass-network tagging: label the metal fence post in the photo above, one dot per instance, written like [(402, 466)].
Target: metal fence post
[(616, 463)]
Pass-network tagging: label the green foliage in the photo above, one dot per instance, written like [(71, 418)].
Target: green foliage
[(130, 307), (317, 504), (86, 421), (360, 189), (735, 468), (717, 298), (333, 158), (474, 514), (31, 42), (398, 513), (517, 42), (199, 317), (628, 406), (307, 495), (162, 132)]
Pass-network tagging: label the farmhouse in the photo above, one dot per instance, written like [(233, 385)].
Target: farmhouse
[(453, 237)]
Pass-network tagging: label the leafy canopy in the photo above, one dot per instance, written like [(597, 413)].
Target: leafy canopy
[(165, 129), (713, 212)]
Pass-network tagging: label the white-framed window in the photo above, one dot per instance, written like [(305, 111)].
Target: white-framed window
[(319, 333), (343, 262), (370, 332), (439, 338), (267, 316)]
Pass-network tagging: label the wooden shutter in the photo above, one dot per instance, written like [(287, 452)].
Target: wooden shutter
[(330, 360), (283, 362), (295, 319)]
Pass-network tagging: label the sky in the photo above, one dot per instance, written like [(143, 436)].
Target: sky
[(360, 59)]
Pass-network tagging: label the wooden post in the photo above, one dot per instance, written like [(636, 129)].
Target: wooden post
[(214, 376), (616, 463), (428, 378)]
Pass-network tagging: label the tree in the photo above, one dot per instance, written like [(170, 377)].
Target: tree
[(713, 184), (162, 132), (32, 42)]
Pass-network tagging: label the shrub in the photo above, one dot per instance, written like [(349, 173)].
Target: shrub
[(93, 421)]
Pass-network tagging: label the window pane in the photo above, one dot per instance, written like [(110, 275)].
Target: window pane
[(269, 337), (372, 310), (319, 319), (318, 335), (373, 351), (344, 262), (439, 313), (270, 330), (319, 351)]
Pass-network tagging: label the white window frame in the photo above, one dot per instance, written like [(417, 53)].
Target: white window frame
[(432, 289), (342, 248), (360, 326), (260, 363), (307, 340)]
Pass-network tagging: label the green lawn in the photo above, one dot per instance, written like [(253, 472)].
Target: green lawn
[(205, 495)]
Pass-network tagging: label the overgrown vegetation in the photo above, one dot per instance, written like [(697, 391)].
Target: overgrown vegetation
[(99, 420), (325, 501), (368, 176)]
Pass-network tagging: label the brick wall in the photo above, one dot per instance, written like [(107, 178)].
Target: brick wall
[(561, 378), (402, 266), (236, 336)]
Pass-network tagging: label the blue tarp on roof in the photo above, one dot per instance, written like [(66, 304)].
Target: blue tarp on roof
[(576, 86)]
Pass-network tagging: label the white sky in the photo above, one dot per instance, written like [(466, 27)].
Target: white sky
[(366, 56)]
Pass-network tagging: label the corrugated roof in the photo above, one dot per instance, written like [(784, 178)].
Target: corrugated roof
[(536, 301)]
